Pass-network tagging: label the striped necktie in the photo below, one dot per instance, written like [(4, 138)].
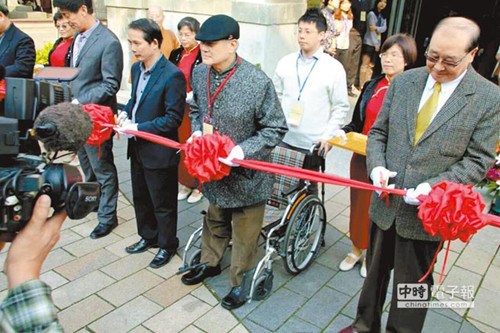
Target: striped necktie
[(80, 38), (425, 115)]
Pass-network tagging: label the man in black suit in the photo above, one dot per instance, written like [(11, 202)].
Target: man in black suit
[(17, 49), (156, 106)]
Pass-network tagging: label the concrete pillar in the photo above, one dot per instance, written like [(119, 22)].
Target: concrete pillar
[(268, 27)]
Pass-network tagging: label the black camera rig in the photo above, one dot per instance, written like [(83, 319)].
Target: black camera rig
[(24, 177)]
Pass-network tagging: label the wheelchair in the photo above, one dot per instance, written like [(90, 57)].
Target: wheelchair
[(294, 234)]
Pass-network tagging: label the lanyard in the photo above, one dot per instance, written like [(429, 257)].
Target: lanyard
[(301, 87), (211, 99)]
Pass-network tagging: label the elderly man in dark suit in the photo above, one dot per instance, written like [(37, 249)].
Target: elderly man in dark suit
[(17, 50), (156, 106), (440, 122), (97, 52)]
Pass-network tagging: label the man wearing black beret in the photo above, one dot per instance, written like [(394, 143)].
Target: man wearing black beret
[(234, 98)]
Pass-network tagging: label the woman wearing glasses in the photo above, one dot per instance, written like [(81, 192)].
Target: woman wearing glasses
[(59, 55), (186, 57), (398, 53)]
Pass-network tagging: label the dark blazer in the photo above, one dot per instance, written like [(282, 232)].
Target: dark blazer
[(101, 64), (159, 111), (359, 113), (458, 145), (17, 53)]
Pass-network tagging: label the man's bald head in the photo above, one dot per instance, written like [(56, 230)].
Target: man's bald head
[(155, 13), (463, 26)]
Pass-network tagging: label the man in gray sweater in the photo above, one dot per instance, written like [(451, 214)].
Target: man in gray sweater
[(234, 98)]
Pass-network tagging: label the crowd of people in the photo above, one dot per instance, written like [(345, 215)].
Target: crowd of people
[(444, 112)]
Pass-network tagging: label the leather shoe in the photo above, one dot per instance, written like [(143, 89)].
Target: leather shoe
[(102, 230), (161, 258), (234, 299), (140, 246), (200, 273)]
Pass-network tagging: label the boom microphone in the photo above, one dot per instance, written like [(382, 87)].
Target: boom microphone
[(64, 126)]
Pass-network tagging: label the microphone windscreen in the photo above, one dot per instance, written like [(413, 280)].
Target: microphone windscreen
[(73, 127)]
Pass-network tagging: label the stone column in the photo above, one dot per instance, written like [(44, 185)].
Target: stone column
[(268, 27)]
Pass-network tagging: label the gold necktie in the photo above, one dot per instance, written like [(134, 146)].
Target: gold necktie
[(425, 115)]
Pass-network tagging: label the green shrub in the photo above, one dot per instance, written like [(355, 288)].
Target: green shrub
[(314, 3), (42, 55)]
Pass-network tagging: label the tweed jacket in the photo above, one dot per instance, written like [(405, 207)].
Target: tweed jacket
[(249, 112), (458, 145), (101, 64)]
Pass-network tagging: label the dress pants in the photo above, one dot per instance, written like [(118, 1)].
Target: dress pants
[(244, 231), (98, 164), (352, 69), (410, 260), (155, 203)]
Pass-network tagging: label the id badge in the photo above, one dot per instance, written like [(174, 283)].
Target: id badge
[(295, 114), (362, 16), (208, 128)]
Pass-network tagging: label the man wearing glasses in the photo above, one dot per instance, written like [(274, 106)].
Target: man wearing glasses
[(439, 122)]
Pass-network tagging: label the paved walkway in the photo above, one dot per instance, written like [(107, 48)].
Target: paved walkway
[(98, 287)]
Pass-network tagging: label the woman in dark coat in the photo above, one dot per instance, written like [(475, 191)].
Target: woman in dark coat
[(398, 53)]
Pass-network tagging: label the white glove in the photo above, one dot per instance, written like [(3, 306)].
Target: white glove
[(121, 118), (236, 153), (194, 135), (127, 125), (75, 101), (189, 97), (411, 197), (380, 177), (339, 133)]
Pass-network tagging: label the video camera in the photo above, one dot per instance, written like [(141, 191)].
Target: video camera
[(24, 177)]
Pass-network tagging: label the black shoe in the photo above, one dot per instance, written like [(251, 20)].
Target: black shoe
[(140, 246), (199, 274), (161, 258), (234, 299), (102, 230)]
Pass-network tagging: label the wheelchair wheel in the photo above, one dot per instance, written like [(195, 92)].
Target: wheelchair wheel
[(263, 286), (195, 258), (304, 234)]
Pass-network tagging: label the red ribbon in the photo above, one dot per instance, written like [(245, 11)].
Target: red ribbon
[(450, 211)]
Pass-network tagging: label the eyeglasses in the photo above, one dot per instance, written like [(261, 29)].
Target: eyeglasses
[(392, 55), (446, 63)]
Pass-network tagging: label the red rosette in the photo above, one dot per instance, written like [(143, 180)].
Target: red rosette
[(3, 89), (452, 211), (100, 115), (202, 157)]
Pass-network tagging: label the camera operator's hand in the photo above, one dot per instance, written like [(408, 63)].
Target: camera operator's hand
[(32, 245)]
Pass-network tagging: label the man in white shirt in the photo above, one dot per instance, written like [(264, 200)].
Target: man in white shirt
[(311, 87)]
